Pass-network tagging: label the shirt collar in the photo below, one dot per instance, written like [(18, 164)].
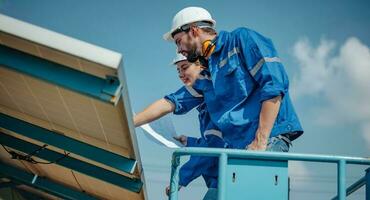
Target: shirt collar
[(220, 41)]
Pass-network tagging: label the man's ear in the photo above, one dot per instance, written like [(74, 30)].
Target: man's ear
[(194, 32)]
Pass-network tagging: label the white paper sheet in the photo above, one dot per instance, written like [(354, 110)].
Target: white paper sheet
[(161, 132)]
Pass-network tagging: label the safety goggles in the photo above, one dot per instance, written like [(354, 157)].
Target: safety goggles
[(186, 27)]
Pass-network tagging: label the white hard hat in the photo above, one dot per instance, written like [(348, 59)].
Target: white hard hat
[(179, 57), (187, 16)]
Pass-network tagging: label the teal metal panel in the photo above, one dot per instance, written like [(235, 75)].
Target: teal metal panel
[(119, 180), (42, 183), (107, 90), (250, 179), (66, 143)]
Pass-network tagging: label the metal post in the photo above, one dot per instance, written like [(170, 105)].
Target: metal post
[(222, 162), (341, 180), (174, 183), (367, 177)]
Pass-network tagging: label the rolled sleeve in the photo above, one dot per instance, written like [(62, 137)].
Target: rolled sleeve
[(263, 64), (184, 99)]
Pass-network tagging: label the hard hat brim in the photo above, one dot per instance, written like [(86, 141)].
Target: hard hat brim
[(168, 37)]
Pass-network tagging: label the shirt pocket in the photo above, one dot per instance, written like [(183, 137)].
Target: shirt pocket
[(230, 81)]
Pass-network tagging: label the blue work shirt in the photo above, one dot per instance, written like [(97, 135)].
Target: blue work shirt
[(244, 70), (207, 167)]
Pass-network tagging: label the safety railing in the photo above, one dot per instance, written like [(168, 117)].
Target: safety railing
[(359, 184), (225, 154)]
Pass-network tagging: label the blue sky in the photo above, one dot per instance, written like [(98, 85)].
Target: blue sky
[(324, 46)]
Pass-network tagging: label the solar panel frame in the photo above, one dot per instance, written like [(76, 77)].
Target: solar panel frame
[(65, 111)]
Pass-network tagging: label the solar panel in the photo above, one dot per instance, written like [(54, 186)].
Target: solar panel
[(66, 97)]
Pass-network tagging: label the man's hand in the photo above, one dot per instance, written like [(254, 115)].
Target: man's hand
[(182, 139), (259, 143), (269, 111), (168, 190)]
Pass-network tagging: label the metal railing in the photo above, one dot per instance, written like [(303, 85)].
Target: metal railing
[(358, 184), (225, 154)]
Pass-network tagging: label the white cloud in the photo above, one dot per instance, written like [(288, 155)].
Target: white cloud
[(314, 68), (341, 76)]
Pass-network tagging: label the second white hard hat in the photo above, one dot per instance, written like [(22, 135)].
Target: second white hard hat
[(187, 16), (179, 57)]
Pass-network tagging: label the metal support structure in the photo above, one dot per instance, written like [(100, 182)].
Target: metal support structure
[(107, 90), (174, 183), (132, 184), (341, 178), (8, 184), (225, 154), (43, 184), (367, 195), (222, 162), (28, 195), (77, 147), (354, 187)]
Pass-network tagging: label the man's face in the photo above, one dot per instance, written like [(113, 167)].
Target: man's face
[(186, 42), (188, 72)]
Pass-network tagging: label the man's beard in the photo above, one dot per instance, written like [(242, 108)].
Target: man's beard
[(193, 55)]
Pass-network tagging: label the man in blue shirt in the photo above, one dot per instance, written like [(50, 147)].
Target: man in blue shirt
[(211, 136), (245, 86)]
